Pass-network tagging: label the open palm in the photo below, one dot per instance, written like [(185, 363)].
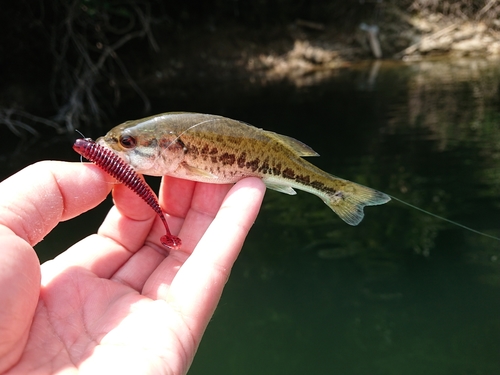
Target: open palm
[(117, 301)]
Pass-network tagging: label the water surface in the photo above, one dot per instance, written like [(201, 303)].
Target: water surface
[(402, 293)]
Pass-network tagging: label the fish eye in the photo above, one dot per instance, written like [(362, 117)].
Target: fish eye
[(127, 141)]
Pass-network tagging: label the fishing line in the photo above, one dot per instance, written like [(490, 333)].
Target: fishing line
[(81, 156), (79, 132), (444, 219), (177, 137)]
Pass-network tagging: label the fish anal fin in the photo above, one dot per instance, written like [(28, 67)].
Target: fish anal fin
[(279, 187), (300, 148)]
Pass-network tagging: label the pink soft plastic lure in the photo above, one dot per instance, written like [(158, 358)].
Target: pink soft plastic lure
[(119, 169)]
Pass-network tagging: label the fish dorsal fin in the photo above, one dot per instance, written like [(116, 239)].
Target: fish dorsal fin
[(300, 148)]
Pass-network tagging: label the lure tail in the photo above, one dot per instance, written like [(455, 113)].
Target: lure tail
[(349, 201)]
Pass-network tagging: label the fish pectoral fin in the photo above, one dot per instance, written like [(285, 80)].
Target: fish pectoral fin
[(279, 187), (297, 146), (195, 171)]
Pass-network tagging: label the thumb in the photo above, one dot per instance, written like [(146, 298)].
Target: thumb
[(32, 202)]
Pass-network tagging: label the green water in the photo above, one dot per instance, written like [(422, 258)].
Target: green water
[(402, 293)]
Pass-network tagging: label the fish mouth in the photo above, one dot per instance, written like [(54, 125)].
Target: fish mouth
[(113, 145), (110, 143)]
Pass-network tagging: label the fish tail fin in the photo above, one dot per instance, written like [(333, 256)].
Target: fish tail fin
[(348, 202)]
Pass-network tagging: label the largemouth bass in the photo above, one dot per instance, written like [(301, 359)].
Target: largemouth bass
[(220, 150)]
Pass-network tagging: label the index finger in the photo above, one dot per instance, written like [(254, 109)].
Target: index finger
[(34, 200), (198, 284)]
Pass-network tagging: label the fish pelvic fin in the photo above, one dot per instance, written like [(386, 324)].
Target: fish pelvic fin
[(349, 201)]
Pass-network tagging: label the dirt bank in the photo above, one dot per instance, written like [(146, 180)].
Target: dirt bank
[(308, 47)]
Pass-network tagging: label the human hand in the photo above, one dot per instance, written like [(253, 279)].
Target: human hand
[(115, 302)]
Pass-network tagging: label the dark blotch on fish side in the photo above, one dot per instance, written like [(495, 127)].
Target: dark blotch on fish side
[(288, 173), (321, 186), (318, 185), (227, 159), (302, 179), (253, 164), (193, 150), (211, 153), (242, 159), (264, 167), (277, 169)]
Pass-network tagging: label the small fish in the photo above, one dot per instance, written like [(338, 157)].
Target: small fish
[(220, 150)]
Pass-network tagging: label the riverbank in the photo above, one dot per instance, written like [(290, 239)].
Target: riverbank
[(306, 49)]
